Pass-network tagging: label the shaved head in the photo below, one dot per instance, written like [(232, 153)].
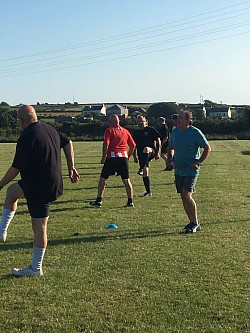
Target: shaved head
[(27, 113), (114, 120)]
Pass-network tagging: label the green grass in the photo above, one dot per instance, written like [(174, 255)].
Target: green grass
[(147, 276)]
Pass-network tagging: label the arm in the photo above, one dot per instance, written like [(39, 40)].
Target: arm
[(69, 154), (104, 152), (204, 155), (135, 155), (9, 176), (170, 154), (131, 145), (158, 144)]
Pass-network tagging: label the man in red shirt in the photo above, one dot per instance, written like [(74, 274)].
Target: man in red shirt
[(115, 159)]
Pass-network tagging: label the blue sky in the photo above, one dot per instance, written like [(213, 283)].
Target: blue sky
[(124, 51)]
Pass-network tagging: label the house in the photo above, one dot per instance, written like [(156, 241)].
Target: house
[(98, 110), (117, 109), (195, 107), (223, 112)]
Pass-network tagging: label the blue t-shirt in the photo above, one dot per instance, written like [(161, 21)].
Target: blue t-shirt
[(186, 145)]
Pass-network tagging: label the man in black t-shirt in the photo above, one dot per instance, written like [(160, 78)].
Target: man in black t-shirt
[(164, 133), (38, 160), (148, 142)]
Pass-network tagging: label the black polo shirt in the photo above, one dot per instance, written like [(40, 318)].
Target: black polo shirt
[(38, 157), (145, 138)]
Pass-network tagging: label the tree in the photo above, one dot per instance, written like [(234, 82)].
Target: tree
[(7, 117), (208, 103), (247, 114), (162, 109)]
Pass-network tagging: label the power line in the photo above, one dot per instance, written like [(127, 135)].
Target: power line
[(130, 56), (136, 32)]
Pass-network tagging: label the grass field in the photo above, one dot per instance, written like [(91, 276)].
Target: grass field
[(147, 276)]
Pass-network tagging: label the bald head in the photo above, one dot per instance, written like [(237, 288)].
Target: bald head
[(27, 114), (114, 120)]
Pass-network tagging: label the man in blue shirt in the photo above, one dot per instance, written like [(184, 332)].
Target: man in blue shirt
[(184, 150)]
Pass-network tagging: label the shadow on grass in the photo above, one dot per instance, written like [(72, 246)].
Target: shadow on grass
[(245, 152), (111, 235)]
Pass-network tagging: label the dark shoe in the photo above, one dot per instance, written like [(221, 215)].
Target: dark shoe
[(130, 204), (140, 172), (192, 227), (96, 204), (168, 168), (146, 194)]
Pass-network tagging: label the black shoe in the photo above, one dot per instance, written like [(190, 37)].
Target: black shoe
[(192, 227), (96, 204), (168, 168), (140, 172), (130, 204)]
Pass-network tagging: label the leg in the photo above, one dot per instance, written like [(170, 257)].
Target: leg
[(39, 227), (189, 205), (101, 187), (129, 188), (100, 192), (14, 192)]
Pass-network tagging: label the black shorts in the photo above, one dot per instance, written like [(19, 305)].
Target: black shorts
[(115, 165), (36, 209), (141, 158)]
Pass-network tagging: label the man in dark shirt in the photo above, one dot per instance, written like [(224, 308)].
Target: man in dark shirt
[(38, 160), (147, 141), (164, 133)]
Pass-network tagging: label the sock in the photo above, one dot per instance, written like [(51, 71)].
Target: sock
[(7, 216), (146, 182), (37, 258), (98, 199)]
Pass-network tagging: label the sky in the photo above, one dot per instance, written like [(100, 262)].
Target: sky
[(124, 51)]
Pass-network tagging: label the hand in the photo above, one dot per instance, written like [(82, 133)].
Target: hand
[(103, 160), (196, 165), (74, 175)]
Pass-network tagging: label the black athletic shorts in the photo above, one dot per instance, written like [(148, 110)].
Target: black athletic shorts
[(115, 165), (141, 158), (36, 209)]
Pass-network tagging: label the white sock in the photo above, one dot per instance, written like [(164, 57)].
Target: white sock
[(37, 258), (7, 216)]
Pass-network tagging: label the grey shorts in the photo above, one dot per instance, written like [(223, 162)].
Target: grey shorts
[(185, 183)]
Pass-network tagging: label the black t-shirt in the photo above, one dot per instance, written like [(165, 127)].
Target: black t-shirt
[(145, 138), (38, 157), (164, 133)]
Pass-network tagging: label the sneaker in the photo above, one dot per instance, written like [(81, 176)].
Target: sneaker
[(140, 172), (192, 227), (130, 204), (168, 168), (3, 236), (146, 194), (96, 204), (27, 271)]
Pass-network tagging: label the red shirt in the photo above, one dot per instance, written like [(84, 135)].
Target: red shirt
[(117, 138)]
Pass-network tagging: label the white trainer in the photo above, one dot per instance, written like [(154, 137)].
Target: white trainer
[(146, 194), (3, 236), (27, 271)]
